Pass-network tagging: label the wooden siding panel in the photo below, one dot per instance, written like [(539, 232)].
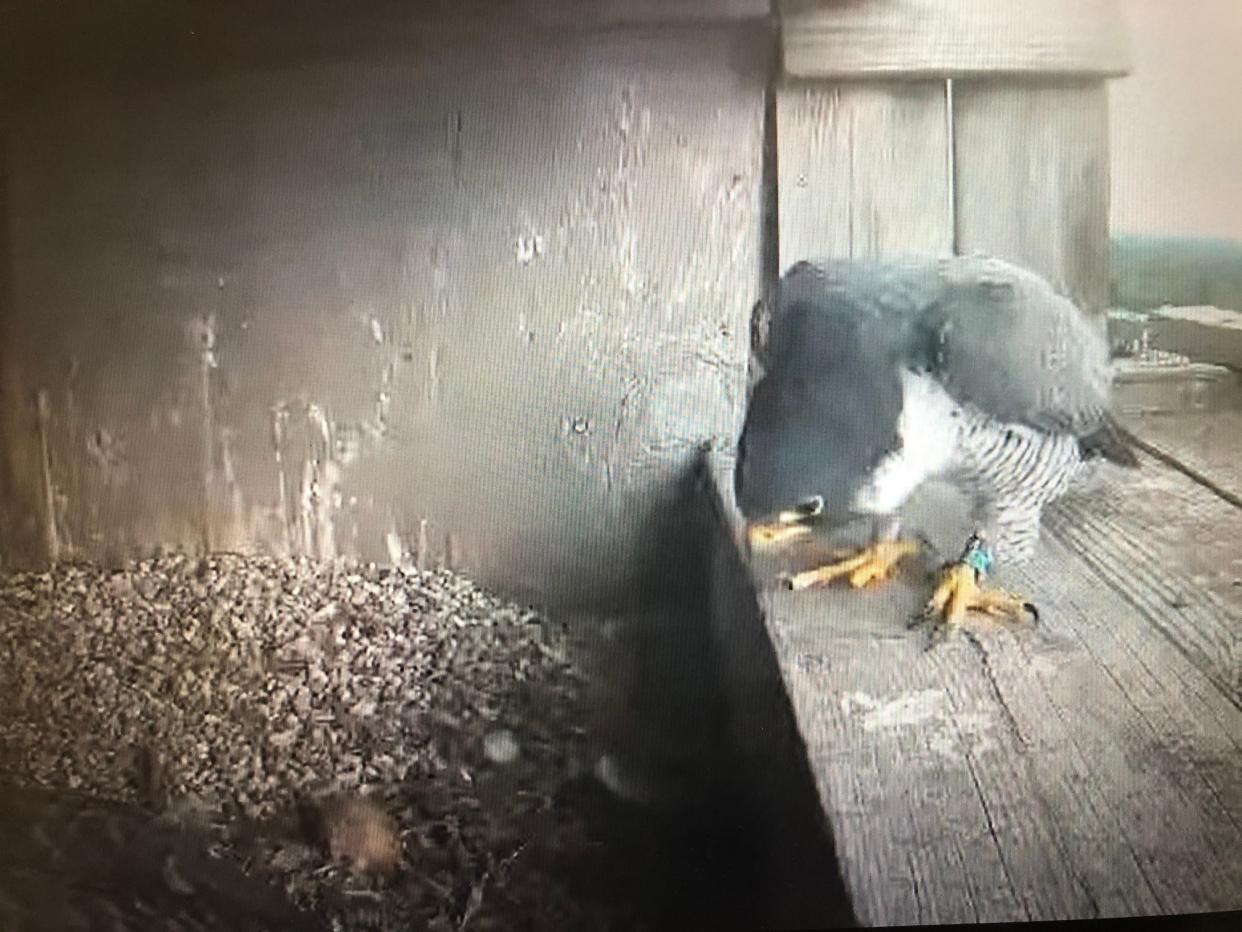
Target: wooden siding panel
[(1032, 182), (863, 170)]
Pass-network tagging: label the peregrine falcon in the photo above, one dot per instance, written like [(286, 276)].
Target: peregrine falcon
[(879, 376)]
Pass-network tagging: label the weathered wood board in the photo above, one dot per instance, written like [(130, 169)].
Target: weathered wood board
[(1197, 437), (863, 170), (1204, 333), (1090, 766), (828, 39), (1031, 179), (1171, 387), (1018, 170)]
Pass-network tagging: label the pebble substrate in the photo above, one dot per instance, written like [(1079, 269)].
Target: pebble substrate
[(235, 691)]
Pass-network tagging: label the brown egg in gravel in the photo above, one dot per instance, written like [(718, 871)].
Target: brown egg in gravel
[(359, 833)]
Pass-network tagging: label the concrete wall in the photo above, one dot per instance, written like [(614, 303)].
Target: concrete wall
[(467, 300)]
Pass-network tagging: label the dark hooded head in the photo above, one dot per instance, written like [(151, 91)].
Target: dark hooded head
[(822, 417)]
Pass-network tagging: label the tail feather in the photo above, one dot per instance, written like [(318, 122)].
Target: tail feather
[(1110, 441)]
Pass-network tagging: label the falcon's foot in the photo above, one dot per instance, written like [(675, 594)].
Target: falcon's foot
[(794, 523), (960, 591), (872, 564)]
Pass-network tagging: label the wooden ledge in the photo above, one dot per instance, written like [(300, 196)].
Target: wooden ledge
[(924, 38)]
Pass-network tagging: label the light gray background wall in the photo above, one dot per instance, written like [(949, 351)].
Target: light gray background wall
[(1176, 123)]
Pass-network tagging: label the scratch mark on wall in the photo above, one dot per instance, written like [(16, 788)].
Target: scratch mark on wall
[(432, 389), (107, 452), (347, 442), (422, 546), (320, 478), (202, 332), (396, 550), (280, 419), (308, 508), (237, 504), (453, 126), (529, 247), (383, 403), (82, 521), (634, 388), (204, 335), (440, 273), (51, 533)]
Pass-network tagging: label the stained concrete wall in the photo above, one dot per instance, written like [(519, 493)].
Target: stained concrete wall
[(468, 300)]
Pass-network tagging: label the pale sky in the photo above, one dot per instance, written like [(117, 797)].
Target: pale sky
[(1177, 120)]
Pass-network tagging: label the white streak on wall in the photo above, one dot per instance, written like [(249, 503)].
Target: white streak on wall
[(319, 496), (51, 534), (396, 550), (238, 533), (528, 248), (420, 550), (204, 335), (107, 453), (280, 417), (383, 403), (306, 507)]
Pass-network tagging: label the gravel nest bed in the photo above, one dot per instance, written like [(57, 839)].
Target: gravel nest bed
[(386, 745)]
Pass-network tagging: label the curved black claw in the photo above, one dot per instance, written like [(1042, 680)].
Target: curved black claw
[(936, 635), (1030, 607), (929, 550), (937, 630)]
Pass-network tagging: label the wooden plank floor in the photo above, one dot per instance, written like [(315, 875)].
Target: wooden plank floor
[(1090, 766)]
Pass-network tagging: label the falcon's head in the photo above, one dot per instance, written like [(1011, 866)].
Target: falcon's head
[(819, 421)]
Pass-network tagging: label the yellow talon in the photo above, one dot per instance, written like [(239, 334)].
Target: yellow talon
[(794, 522), (769, 535), (873, 564), (959, 593)]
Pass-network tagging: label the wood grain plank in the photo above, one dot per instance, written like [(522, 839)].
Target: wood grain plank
[(1155, 730), (918, 800), (1167, 388), (863, 170), (596, 13), (1202, 333), (1087, 767), (1205, 440), (827, 39), (1167, 546), (1032, 179)]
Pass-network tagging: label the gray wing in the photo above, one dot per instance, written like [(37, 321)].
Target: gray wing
[(998, 337)]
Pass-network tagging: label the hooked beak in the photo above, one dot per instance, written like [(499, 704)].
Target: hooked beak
[(790, 523)]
